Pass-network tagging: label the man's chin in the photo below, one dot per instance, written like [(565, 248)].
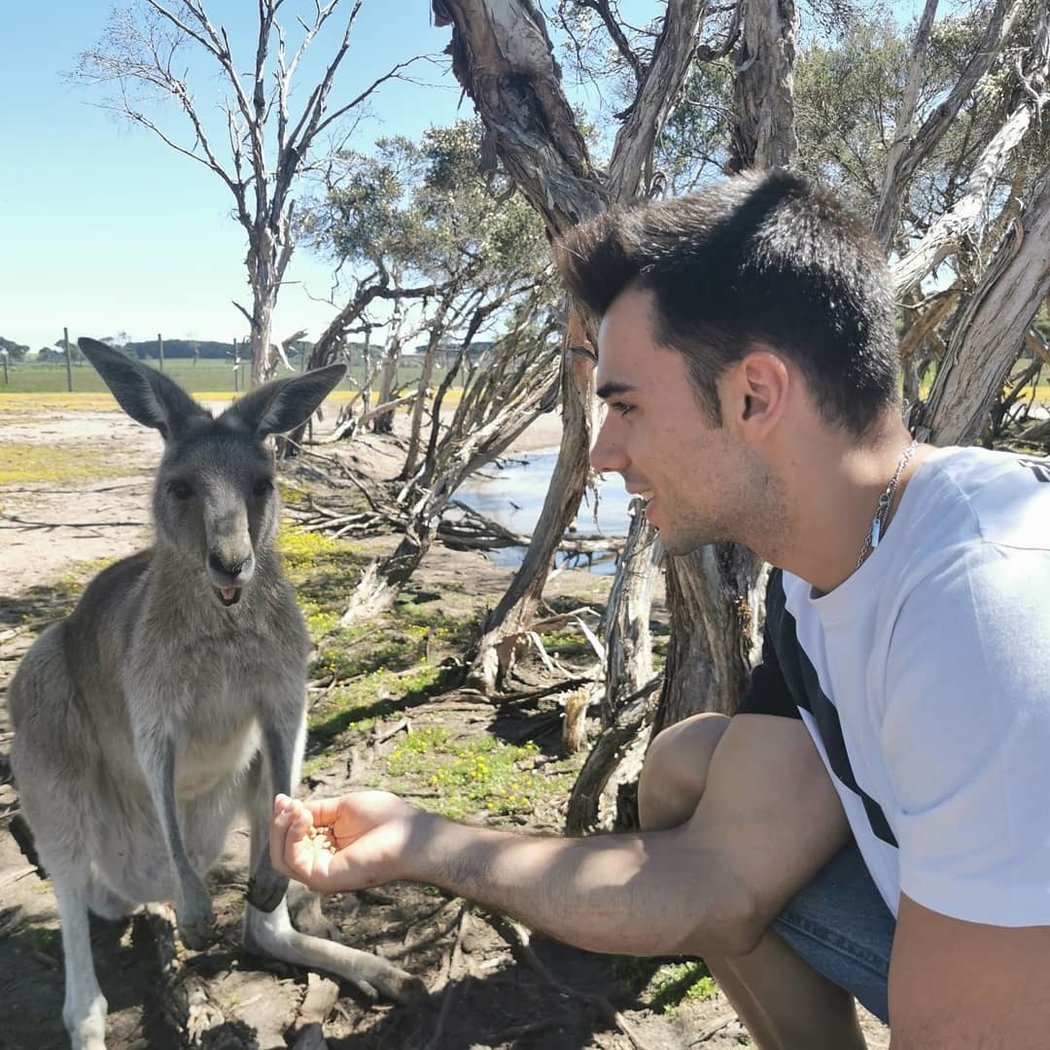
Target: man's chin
[(677, 544)]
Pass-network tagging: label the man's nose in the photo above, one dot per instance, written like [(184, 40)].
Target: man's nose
[(607, 455)]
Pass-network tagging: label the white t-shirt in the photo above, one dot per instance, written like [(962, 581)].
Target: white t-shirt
[(924, 679)]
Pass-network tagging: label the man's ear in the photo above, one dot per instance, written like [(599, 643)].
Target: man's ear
[(755, 393)]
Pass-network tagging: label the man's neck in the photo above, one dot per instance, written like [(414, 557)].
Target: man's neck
[(833, 485)]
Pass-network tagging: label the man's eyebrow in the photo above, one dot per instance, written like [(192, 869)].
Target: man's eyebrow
[(610, 389)]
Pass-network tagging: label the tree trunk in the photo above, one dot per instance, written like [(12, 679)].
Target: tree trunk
[(628, 641), (437, 330), (493, 657), (264, 297), (503, 57), (764, 130), (989, 335), (718, 595)]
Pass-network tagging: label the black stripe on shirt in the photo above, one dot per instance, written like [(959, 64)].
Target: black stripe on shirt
[(784, 658)]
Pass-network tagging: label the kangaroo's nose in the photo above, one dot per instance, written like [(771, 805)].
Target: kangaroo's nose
[(234, 573)]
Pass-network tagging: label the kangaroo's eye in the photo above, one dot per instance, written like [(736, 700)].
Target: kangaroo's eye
[(263, 487), (180, 489)]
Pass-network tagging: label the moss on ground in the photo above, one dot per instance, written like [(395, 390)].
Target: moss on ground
[(459, 776), (24, 462)]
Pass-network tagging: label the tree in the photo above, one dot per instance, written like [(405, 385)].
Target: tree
[(262, 144), (503, 57), (15, 351), (457, 262), (887, 150)]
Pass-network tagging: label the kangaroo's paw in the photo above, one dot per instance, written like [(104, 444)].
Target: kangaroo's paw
[(196, 920), (266, 888)]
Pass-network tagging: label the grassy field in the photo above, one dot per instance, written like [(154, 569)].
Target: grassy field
[(204, 377)]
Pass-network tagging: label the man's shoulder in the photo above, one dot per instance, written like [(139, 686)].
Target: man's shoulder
[(975, 495)]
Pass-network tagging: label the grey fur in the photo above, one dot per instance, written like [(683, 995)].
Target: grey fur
[(173, 697)]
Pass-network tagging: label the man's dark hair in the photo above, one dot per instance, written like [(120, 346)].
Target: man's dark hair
[(758, 257)]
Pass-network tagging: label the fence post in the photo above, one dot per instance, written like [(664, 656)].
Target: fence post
[(69, 360), (3, 357), (160, 351)]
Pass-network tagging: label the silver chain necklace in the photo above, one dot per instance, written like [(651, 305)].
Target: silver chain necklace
[(882, 508)]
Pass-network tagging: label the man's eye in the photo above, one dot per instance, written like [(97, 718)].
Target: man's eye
[(619, 406)]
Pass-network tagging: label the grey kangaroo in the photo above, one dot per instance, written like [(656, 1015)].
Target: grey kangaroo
[(173, 697)]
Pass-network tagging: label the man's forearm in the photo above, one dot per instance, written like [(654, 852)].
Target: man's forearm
[(641, 894)]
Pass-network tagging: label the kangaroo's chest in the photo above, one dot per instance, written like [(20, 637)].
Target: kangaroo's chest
[(214, 700), (204, 763)]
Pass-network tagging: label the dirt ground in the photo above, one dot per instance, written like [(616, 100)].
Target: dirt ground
[(489, 987)]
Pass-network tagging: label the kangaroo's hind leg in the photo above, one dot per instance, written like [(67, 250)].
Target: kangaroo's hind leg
[(85, 1007), (51, 759)]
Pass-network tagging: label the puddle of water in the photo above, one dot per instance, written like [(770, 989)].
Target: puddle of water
[(512, 495)]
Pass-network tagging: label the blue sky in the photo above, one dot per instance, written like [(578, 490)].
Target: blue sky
[(105, 229)]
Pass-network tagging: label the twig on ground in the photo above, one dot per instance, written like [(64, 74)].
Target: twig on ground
[(440, 930), (518, 937), (453, 967), (714, 1028), (49, 525), (381, 737)]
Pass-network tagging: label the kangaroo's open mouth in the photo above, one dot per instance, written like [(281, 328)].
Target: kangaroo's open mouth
[(228, 595)]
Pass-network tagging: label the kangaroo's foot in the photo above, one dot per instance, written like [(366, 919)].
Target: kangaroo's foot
[(196, 916), (266, 887)]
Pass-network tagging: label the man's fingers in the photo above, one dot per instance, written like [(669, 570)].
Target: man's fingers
[(324, 810), (290, 849)]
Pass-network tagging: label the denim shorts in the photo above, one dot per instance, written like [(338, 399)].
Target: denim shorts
[(840, 925)]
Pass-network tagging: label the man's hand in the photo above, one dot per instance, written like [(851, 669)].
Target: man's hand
[(340, 844)]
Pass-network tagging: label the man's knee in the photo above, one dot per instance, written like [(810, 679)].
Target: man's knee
[(675, 771)]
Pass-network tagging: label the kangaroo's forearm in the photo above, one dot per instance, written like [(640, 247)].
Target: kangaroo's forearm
[(642, 894)]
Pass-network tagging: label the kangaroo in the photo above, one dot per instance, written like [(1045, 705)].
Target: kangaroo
[(173, 697)]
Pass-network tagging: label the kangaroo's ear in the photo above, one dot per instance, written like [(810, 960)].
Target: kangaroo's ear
[(147, 395), (280, 406)]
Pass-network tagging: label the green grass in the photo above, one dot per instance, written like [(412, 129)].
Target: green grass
[(207, 376), (40, 937), (666, 987), (23, 462), (471, 775), (679, 983)]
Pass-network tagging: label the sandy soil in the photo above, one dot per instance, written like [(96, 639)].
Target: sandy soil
[(483, 993)]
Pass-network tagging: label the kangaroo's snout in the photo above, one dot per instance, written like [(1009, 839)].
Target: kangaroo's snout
[(229, 574)]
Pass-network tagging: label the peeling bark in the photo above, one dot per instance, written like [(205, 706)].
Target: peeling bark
[(909, 149), (946, 234), (504, 59), (989, 334), (718, 593), (764, 130)]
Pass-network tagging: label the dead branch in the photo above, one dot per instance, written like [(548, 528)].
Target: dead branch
[(518, 939), (51, 525), (911, 149)]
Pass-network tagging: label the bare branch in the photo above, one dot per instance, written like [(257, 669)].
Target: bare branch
[(906, 156), (657, 94), (623, 45), (944, 236)]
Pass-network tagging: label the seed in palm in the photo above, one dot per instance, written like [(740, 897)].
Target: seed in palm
[(321, 839)]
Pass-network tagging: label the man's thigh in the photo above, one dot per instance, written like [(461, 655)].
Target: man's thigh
[(840, 925)]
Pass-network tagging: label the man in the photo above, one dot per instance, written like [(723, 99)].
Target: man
[(873, 821)]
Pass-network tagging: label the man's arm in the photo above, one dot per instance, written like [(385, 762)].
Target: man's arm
[(954, 983), (768, 820)]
